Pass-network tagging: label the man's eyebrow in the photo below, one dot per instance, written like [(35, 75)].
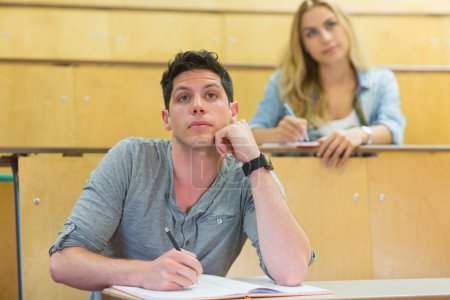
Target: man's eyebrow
[(212, 84), (181, 87)]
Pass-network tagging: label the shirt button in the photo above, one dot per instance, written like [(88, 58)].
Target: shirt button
[(219, 221)]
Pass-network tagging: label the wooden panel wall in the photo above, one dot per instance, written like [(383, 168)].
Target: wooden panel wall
[(52, 92), (426, 107), (378, 6)]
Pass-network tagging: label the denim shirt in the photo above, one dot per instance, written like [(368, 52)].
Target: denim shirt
[(377, 92)]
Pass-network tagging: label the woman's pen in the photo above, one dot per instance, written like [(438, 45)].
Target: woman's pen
[(172, 239), (291, 113)]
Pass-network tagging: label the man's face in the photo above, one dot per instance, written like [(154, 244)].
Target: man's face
[(198, 108)]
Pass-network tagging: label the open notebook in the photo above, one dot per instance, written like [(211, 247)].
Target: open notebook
[(215, 287)]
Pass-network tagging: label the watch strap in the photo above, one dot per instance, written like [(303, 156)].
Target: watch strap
[(259, 162)]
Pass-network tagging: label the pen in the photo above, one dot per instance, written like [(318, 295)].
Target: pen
[(291, 113), (172, 239)]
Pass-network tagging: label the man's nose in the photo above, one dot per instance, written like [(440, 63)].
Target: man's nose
[(197, 106)]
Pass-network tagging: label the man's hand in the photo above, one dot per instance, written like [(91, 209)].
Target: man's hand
[(291, 129), (337, 147), (172, 271), (237, 138)]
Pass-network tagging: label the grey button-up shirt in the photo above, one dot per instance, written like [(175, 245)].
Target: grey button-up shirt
[(129, 200)]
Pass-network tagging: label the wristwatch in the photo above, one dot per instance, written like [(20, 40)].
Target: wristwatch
[(262, 161), (368, 131)]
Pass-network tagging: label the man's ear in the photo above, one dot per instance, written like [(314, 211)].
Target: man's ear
[(166, 119), (234, 108)]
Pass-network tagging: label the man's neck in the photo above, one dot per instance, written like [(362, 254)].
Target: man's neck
[(194, 170)]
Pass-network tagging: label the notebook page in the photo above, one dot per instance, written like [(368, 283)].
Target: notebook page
[(266, 285), (208, 286)]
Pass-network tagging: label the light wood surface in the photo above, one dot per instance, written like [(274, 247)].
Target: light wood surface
[(254, 39), (425, 105), (400, 237), (114, 103), (354, 234), (324, 203), (387, 39), (54, 33), (33, 112), (57, 182), (239, 38), (94, 106), (393, 289), (410, 215), (371, 6), (8, 257), (157, 36), (249, 86)]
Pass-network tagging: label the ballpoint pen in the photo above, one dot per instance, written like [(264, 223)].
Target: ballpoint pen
[(172, 239), (291, 113)]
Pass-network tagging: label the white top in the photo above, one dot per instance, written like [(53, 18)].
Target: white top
[(349, 121)]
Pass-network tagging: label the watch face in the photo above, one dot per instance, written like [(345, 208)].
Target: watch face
[(268, 164)]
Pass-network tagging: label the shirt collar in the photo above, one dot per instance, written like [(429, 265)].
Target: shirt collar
[(363, 81)]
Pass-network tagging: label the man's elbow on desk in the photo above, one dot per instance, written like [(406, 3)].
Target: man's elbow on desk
[(292, 274), (57, 268)]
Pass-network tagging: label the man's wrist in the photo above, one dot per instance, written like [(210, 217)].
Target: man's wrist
[(261, 161)]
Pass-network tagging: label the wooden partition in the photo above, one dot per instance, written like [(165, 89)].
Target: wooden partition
[(50, 185), (378, 217), (8, 261)]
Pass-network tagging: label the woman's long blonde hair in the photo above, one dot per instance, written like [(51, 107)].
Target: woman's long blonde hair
[(300, 85)]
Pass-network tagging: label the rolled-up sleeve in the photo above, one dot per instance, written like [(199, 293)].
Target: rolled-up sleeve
[(97, 213), (388, 109)]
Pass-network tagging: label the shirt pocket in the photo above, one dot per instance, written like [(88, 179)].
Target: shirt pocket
[(218, 219)]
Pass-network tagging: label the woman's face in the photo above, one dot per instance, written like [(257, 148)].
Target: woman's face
[(324, 38)]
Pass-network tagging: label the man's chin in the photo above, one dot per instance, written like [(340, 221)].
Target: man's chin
[(204, 143)]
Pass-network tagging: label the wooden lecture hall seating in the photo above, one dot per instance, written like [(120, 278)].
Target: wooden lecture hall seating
[(85, 73)]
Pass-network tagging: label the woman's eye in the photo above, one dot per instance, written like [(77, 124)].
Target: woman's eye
[(330, 24), (311, 33)]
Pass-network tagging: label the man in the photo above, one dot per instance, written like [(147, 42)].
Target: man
[(189, 184)]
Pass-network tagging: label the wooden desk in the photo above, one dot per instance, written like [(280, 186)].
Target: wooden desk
[(356, 235), (9, 156), (388, 289)]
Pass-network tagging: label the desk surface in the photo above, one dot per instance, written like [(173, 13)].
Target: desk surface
[(282, 149), (386, 289)]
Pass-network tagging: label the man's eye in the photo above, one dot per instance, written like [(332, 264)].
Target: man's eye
[(211, 95), (183, 98)]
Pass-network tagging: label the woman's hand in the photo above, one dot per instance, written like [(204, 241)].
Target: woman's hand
[(337, 147), (291, 129)]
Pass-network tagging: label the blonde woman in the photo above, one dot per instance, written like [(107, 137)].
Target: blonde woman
[(334, 97)]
